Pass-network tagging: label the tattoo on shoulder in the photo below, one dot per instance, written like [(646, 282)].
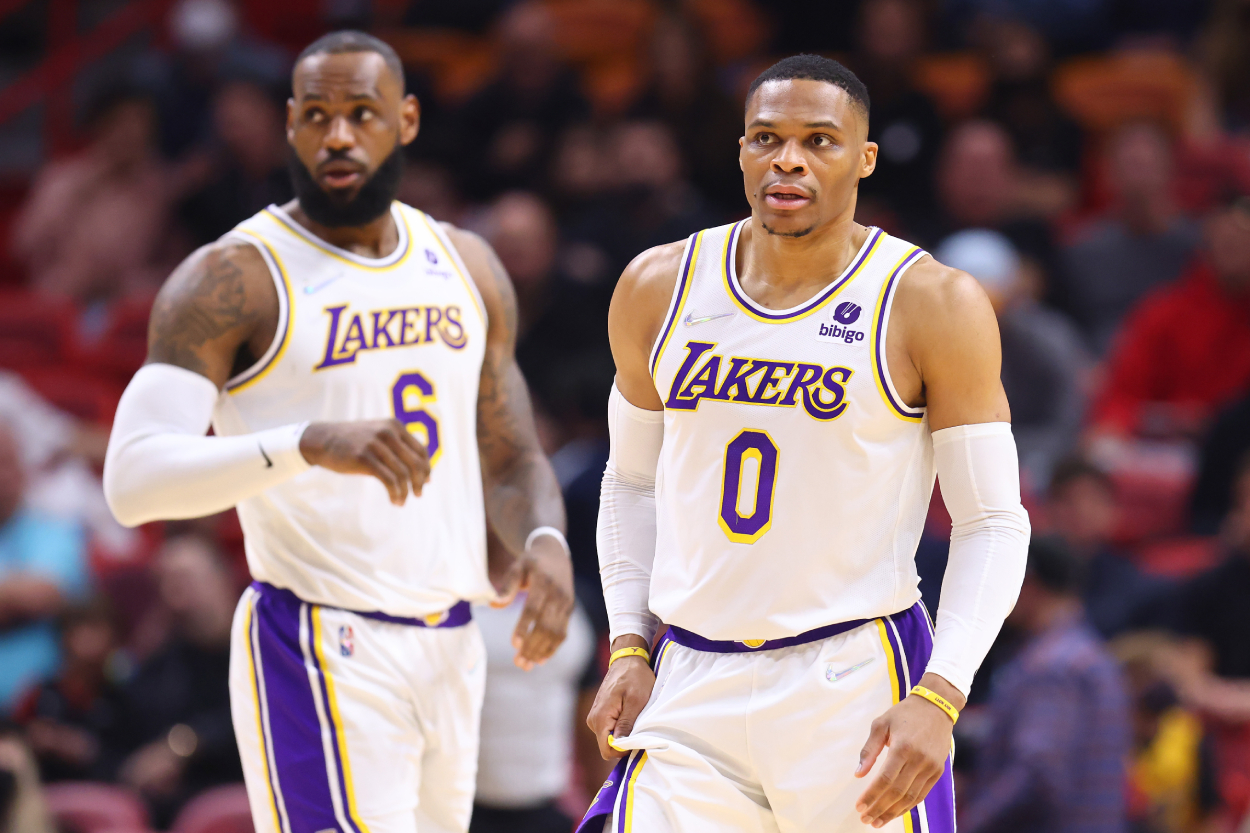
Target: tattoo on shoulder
[(202, 301), (507, 295)]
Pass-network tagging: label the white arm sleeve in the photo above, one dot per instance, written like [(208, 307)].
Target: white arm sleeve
[(625, 536), (161, 466), (980, 477)]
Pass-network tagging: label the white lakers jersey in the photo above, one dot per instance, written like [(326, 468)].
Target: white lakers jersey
[(793, 482), (361, 338)]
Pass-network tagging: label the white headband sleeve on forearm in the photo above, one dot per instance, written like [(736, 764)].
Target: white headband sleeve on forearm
[(979, 472), (625, 536), (161, 466)]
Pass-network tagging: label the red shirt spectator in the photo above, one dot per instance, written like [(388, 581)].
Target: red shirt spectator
[(1185, 349)]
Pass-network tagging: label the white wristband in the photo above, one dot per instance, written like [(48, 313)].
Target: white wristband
[(548, 530)]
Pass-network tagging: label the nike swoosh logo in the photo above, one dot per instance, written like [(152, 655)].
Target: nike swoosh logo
[(691, 320), (268, 462), (309, 290), (833, 676)]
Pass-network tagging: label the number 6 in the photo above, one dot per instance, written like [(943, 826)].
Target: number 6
[(411, 395)]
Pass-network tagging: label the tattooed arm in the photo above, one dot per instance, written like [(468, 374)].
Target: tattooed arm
[(521, 489), (218, 310)]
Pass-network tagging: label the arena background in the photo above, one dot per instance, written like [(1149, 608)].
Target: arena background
[(1098, 150)]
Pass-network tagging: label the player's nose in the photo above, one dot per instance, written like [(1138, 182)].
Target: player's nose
[(789, 159), (340, 134)]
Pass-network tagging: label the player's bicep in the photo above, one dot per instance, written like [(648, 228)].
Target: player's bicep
[(208, 308), (955, 345)]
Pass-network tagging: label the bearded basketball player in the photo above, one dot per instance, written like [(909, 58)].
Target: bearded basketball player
[(355, 361)]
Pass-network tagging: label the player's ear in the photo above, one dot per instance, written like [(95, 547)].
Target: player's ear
[(869, 162), (742, 140), (290, 120), (409, 119)]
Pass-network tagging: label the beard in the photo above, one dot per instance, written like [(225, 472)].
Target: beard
[(371, 200), (791, 234)]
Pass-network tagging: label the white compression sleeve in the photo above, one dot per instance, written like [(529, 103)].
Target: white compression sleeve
[(979, 473), (626, 533), (161, 466)]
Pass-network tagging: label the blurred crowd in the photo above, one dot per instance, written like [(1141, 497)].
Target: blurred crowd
[(1088, 161)]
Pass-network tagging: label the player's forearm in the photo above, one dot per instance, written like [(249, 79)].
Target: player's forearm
[(161, 466), (522, 496), (625, 536), (980, 479)]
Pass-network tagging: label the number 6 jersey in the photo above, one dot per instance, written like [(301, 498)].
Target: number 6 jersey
[(360, 339), (793, 481)]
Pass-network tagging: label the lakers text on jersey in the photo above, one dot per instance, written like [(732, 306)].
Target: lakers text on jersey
[(793, 481)]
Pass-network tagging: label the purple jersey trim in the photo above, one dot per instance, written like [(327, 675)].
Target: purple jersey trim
[(458, 615), (912, 256), (761, 312), (678, 297)]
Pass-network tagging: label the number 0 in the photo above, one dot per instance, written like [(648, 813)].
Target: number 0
[(746, 504)]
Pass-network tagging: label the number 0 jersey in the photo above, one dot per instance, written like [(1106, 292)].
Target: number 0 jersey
[(358, 339), (793, 482)]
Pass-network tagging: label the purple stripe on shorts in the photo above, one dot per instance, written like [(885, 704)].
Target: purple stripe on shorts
[(605, 799), (334, 728), (294, 729), (635, 760), (915, 637), (687, 639)]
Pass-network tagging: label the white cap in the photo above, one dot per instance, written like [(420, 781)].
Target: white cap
[(986, 255)]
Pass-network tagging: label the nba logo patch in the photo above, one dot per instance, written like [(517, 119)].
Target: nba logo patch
[(431, 257), (346, 646)]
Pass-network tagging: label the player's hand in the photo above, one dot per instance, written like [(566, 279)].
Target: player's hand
[(545, 573), (919, 736), (383, 448), (622, 695)]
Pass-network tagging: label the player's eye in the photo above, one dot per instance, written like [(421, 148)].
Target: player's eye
[(315, 116), (364, 114), (820, 140), (765, 139)]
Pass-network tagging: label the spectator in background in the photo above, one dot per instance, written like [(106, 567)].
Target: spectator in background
[(1222, 450), (22, 805), (1142, 243), (75, 721), (706, 122), (60, 455), (1047, 142), (1184, 351), (533, 722), (95, 225), (1225, 52), (1058, 732), (1044, 364), (979, 186), (42, 568), (905, 123), (505, 129), (1083, 511), (178, 701), (1171, 778), (249, 164), (1216, 613)]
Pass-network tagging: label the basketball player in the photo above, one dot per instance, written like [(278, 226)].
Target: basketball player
[(787, 388), (346, 334)]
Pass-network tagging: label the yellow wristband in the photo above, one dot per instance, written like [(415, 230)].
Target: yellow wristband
[(937, 700), (629, 652)]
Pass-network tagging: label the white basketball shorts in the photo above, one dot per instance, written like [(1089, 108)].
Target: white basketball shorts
[(354, 722), (767, 739)]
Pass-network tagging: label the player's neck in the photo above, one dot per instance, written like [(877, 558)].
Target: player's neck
[(777, 271), (375, 239)]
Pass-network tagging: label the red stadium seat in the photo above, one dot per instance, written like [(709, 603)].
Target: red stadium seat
[(219, 810), (34, 330), (122, 347), (84, 807), (79, 392), (1179, 558)]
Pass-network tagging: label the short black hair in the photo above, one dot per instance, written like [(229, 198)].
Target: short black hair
[(814, 68), (352, 40), (1053, 565)]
